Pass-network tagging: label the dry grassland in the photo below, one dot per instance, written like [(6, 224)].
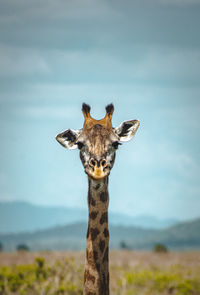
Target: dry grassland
[(131, 273)]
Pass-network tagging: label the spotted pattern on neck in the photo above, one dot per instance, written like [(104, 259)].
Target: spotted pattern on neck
[(96, 276)]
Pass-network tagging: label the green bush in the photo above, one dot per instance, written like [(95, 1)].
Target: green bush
[(153, 282), (160, 248), (65, 277), (61, 278), (22, 247), (123, 245)]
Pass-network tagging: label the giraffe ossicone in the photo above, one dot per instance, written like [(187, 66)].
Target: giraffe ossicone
[(97, 142)]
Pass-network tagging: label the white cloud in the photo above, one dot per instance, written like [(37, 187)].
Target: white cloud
[(57, 10), (49, 112), (4, 188), (161, 179), (179, 2), (5, 197), (2, 179), (8, 19), (165, 158), (17, 61), (146, 63), (168, 63)]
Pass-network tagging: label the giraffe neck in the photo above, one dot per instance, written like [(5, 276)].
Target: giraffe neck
[(96, 276)]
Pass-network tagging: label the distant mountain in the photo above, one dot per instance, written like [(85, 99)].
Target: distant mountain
[(144, 221), (184, 236), (22, 217)]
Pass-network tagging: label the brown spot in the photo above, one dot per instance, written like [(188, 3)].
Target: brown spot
[(84, 277), (95, 254), (102, 245), (88, 232), (103, 197), (89, 277), (97, 186), (106, 232), (89, 197), (105, 257), (98, 267), (93, 214), (91, 293), (104, 278), (90, 258), (104, 288), (92, 201), (104, 218), (94, 233)]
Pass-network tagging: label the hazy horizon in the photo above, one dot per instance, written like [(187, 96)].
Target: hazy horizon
[(57, 206)]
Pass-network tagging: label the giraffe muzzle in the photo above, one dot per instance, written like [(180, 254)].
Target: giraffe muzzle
[(97, 168)]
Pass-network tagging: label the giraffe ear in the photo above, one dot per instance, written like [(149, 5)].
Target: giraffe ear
[(68, 138), (127, 129)]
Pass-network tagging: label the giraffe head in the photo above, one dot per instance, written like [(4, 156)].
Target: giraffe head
[(98, 141)]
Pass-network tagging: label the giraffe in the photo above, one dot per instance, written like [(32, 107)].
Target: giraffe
[(97, 142)]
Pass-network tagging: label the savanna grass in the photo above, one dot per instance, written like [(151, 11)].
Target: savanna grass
[(63, 277), (131, 273)]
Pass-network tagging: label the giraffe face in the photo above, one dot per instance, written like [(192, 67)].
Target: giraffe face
[(98, 141), (97, 150)]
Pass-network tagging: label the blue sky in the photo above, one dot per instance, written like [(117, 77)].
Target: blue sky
[(144, 56)]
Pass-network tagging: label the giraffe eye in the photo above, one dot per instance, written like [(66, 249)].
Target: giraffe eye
[(80, 145), (115, 144)]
